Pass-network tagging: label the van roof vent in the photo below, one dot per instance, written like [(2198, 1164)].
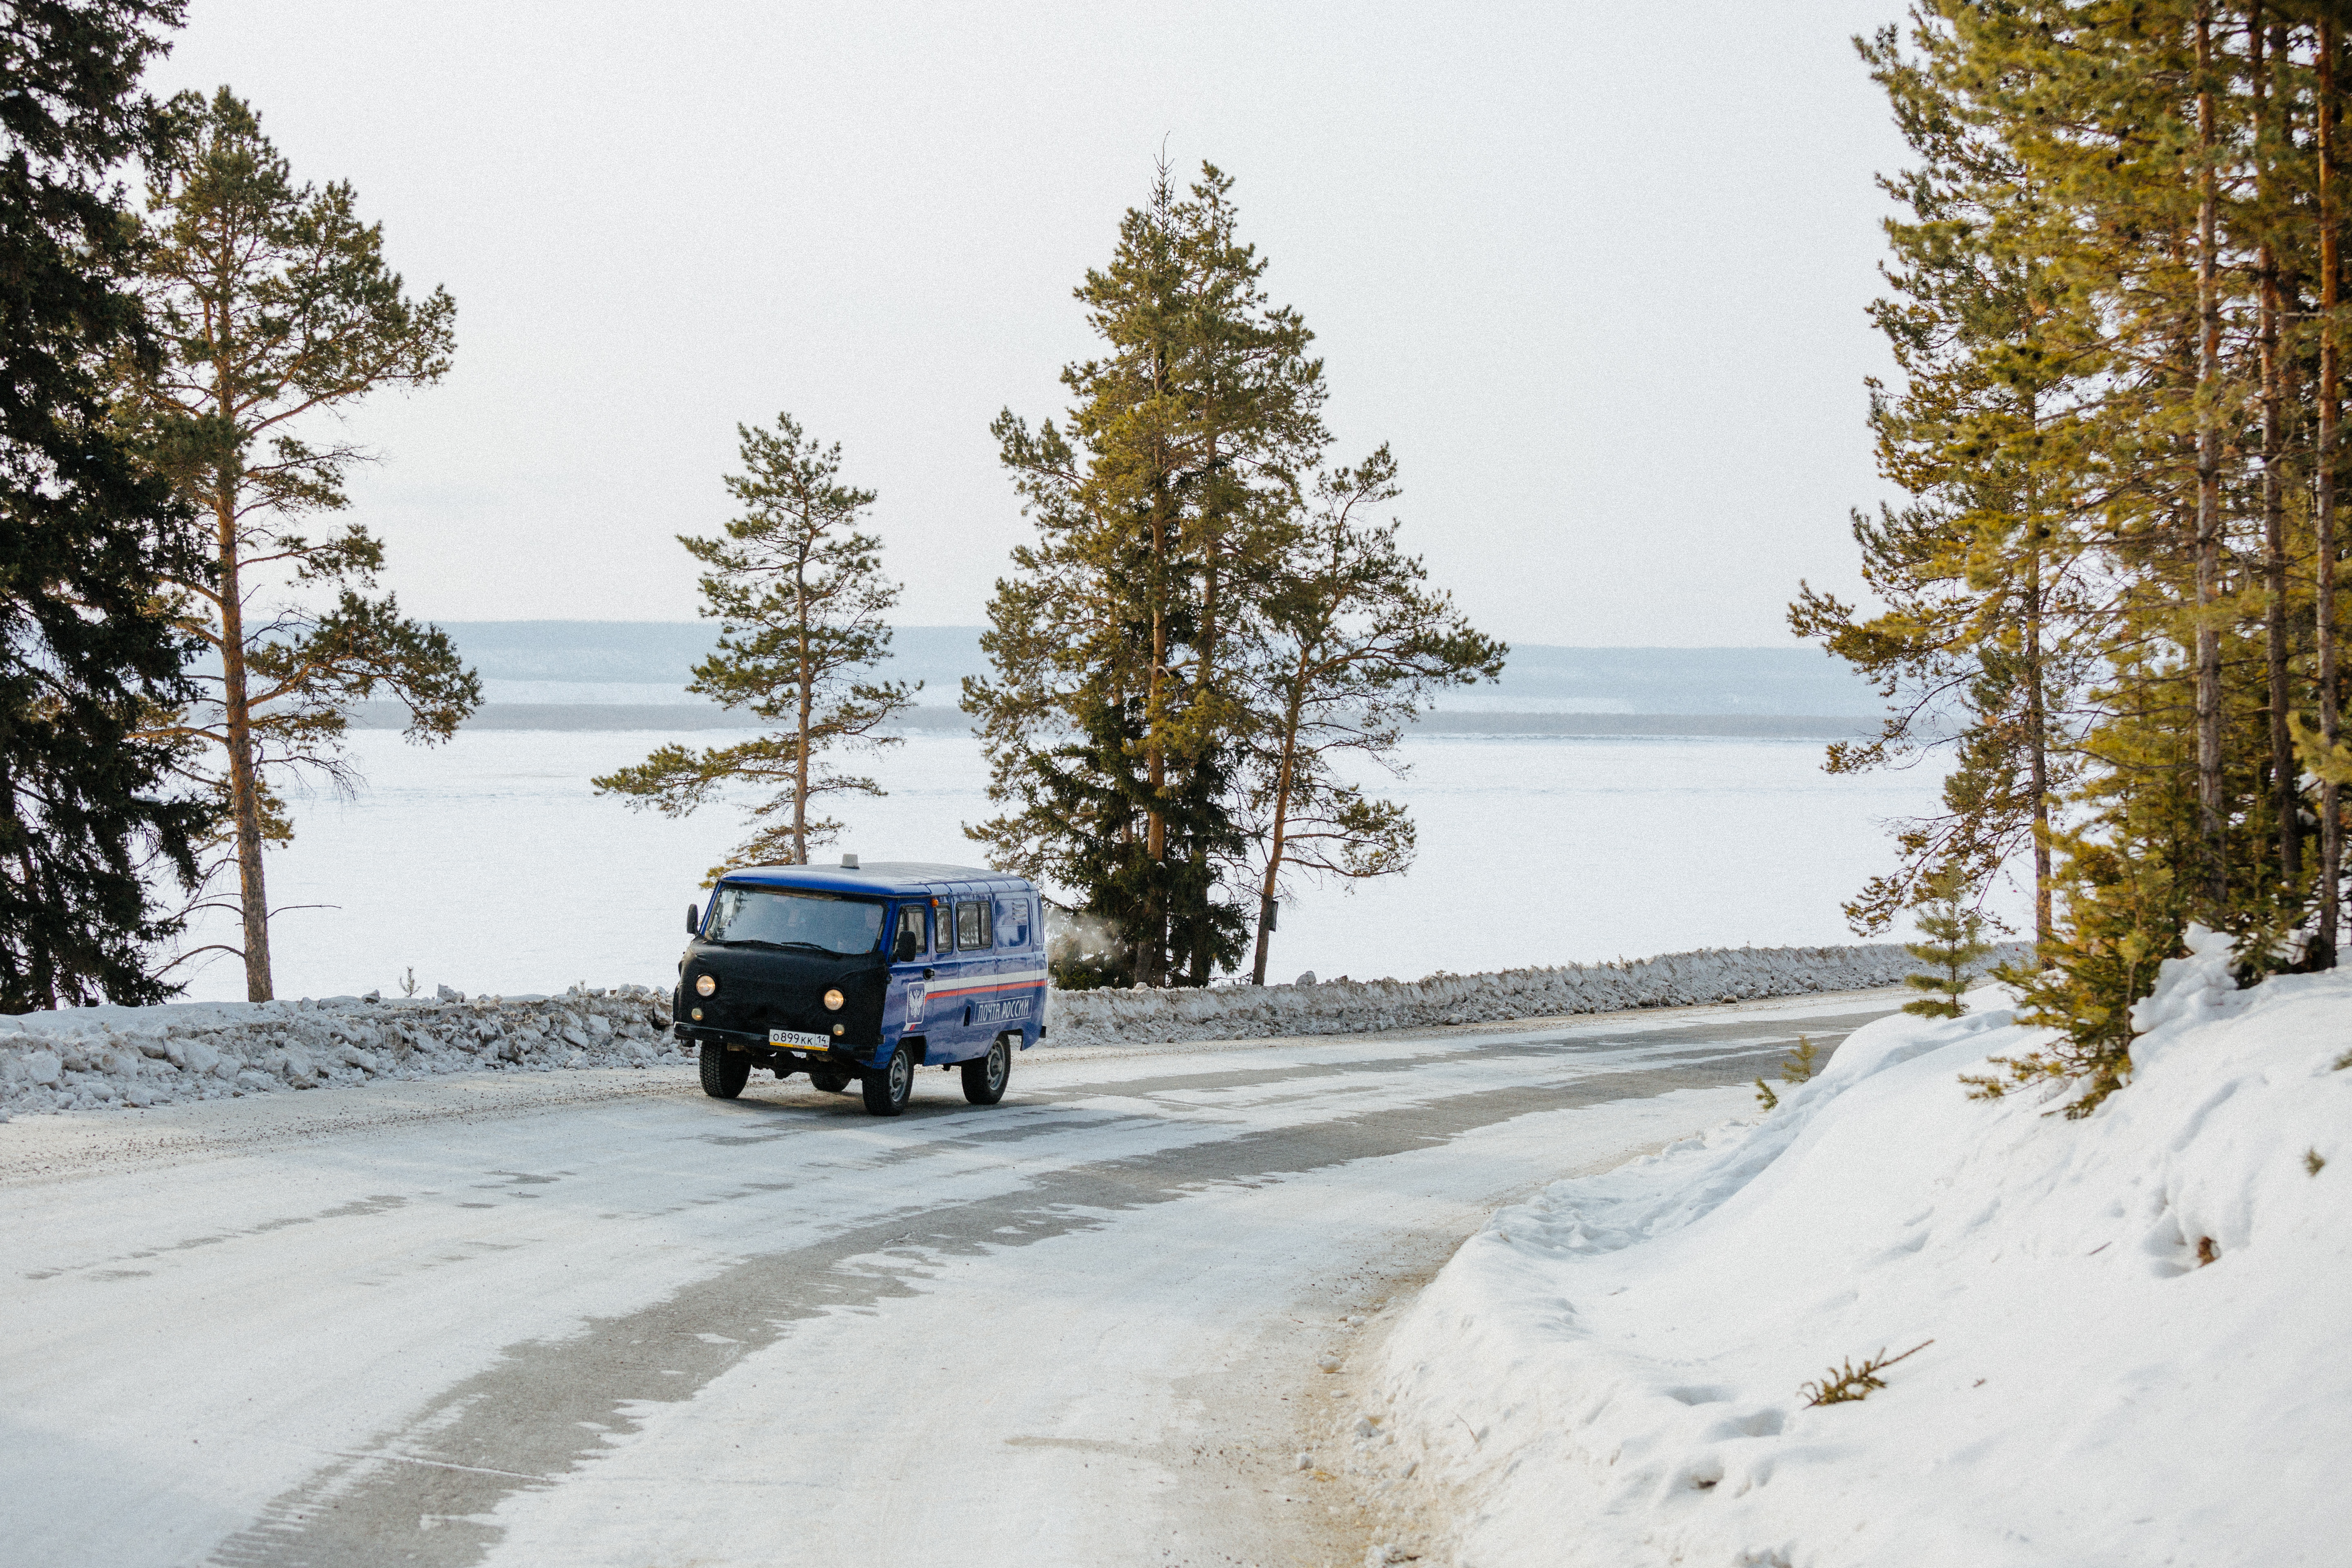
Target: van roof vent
[(849, 862)]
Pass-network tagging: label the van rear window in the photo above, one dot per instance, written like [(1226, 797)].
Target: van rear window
[(790, 917)]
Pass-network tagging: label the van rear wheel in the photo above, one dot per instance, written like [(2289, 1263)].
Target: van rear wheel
[(984, 1078), (724, 1072), (887, 1091)]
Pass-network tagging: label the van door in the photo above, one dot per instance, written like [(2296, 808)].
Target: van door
[(907, 977), (975, 976), (1018, 1000)]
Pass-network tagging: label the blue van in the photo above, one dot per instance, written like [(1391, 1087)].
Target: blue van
[(866, 973)]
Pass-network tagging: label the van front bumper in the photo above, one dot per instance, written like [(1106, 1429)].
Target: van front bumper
[(845, 1052)]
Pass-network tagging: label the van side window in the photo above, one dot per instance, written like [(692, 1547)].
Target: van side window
[(910, 919), (943, 919), (1016, 923), (973, 926)]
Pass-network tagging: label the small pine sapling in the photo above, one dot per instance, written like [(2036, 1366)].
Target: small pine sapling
[(1849, 1383), (1952, 940), (1798, 1066), (408, 982)]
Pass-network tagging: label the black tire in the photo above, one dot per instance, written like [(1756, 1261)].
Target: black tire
[(724, 1072), (833, 1081), (984, 1078), (887, 1091)]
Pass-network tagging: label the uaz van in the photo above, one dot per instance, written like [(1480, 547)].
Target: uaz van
[(866, 973)]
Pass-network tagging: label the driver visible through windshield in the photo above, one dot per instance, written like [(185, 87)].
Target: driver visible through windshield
[(791, 918)]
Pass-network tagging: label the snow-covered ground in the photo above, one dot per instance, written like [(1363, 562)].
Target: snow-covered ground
[(2134, 1323), (597, 1319), (488, 863)]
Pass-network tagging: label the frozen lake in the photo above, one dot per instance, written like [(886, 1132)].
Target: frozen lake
[(489, 865)]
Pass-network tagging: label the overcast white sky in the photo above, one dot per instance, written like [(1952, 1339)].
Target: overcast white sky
[(1597, 271)]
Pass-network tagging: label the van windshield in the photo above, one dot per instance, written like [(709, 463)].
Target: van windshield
[(790, 917)]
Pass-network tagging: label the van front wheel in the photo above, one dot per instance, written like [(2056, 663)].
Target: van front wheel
[(887, 1091), (984, 1078), (724, 1072)]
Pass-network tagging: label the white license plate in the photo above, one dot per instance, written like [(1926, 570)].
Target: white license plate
[(794, 1038)]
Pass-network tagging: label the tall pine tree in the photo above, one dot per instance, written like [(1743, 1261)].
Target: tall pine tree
[(800, 596), (276, 308), (1117, 708)]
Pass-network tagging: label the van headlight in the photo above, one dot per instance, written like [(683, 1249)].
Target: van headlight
[(706, 985), (834, 999)]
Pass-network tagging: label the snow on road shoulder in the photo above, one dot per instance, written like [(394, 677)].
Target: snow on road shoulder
[(87, 1059), (2135, 1318), (1355, 1006)]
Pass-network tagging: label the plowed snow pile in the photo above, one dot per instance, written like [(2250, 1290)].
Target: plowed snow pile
[(89, 1058), (86, 1059), (2138, 1320), (1349, 1006)]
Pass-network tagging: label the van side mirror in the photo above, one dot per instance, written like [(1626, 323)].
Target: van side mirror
[(909, 945), (693, 920)]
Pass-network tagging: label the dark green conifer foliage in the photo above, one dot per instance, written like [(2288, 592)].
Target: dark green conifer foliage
[(276, 307), (1951, 939), (800, 596), (89, 812)]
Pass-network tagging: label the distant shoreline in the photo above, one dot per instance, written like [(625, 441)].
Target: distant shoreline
[(697, 716)]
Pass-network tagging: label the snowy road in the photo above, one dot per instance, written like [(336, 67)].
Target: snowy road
[(595, 1318)]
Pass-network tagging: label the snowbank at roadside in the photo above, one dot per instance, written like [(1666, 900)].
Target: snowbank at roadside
[(2132, 1322), (1351, 1006), (86, 1059)]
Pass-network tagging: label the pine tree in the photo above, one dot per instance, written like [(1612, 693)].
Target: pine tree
[(1952, 941), (1117, 706), (1353, 642), (800, 596), (2166, 179), (276, 308), (1985, 637), (89, 812)]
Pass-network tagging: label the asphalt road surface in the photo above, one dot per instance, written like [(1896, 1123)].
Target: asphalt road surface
[(597, 1319)]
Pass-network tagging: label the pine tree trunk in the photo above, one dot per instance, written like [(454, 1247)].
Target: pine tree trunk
[(2037, 723), (801, 750), (2287, 806), (1283, 775), (38, 989), (2331, 829), (2209, 496), (1200, 957), (244, 791), (1154, 946)]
